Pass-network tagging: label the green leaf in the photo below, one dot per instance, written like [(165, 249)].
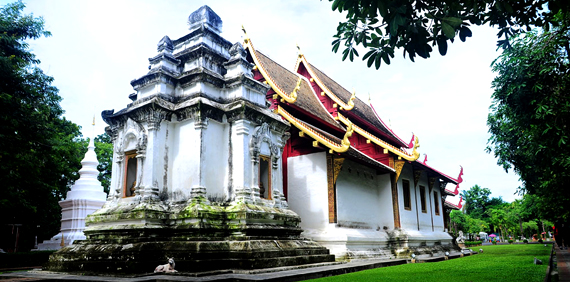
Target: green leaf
[(454, 22), (382, 8), (345, 54), (385, 58), (448, 30), (464, 32), (442, 45), (371, 59), (377, 61), (335, 4)]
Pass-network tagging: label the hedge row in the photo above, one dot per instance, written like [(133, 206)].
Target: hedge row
[(472, 243)]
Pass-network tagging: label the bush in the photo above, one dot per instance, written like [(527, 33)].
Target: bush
[(525, 241), (472, 243), (24, 259), (510, 241), (540, 241)]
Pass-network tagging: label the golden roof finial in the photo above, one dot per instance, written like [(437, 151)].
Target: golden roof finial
[(299, 53), (293, 94), (349, 130), (245, 33), (369, 99), (93, 119)]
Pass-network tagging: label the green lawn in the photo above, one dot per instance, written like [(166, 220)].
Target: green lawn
[(497, 263)]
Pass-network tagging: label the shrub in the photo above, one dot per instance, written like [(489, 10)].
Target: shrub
[(525, 241), (472, 243), (540, 241), (510, 241)]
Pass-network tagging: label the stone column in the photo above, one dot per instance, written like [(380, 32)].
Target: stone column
[(198, 189), (147, 153), (242, 164)]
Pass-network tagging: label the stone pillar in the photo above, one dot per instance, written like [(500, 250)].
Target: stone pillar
[(241, 161), (199, 186), (148, 153)]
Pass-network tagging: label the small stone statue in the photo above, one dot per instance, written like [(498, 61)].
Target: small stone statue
[(169, 267), (460, 239), (261, 190), (132, 189)]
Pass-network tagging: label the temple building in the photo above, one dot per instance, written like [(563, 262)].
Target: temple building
[(226, 160)]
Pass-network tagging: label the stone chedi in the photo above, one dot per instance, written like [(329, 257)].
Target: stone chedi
[(197, 172), (86, 196)]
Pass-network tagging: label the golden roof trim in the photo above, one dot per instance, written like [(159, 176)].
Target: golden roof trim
[(336, 147), (343, 106), (398, 152), (289, 98)]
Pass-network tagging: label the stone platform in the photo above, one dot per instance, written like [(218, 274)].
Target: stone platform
[(190, 257)]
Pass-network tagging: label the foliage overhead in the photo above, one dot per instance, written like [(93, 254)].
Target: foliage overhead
[(530, 113), (416, 27), (39, 155)]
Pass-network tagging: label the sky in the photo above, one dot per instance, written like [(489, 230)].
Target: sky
[(98, 47)]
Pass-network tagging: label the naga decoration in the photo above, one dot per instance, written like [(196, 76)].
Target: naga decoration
[(289, 98)]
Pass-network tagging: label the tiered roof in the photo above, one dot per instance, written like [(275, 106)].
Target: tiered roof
[(333, 122)]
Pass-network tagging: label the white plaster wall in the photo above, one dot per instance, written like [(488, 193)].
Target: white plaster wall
[(215, 149), (425, 218), (437, 219), (385, 205), (186, 155), (307, 189), (408, 218), (358, 201)]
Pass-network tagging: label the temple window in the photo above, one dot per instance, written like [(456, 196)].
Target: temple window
[(436, 203), (406, 188), (423, 198), (130, 173), (265, 177)]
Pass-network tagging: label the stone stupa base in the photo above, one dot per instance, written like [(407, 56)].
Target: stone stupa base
[(193, 256), (135, 239)]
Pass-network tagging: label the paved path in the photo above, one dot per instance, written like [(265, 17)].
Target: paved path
[(563, 263)]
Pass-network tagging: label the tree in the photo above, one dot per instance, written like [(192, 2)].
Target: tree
[(459, 221), (530, 113), (104, 151), (477, 202), (382, 26), (39, 155)]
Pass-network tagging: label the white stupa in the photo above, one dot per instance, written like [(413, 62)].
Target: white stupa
[(85, 197)]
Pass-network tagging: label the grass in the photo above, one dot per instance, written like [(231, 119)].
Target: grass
[(496, 263)]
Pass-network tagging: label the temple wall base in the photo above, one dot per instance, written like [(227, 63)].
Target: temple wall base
[(355, 244)]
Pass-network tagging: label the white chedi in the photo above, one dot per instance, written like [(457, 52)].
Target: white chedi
[(86, 196)]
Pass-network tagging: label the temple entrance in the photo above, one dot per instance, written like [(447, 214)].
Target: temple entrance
[(130, 173)]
